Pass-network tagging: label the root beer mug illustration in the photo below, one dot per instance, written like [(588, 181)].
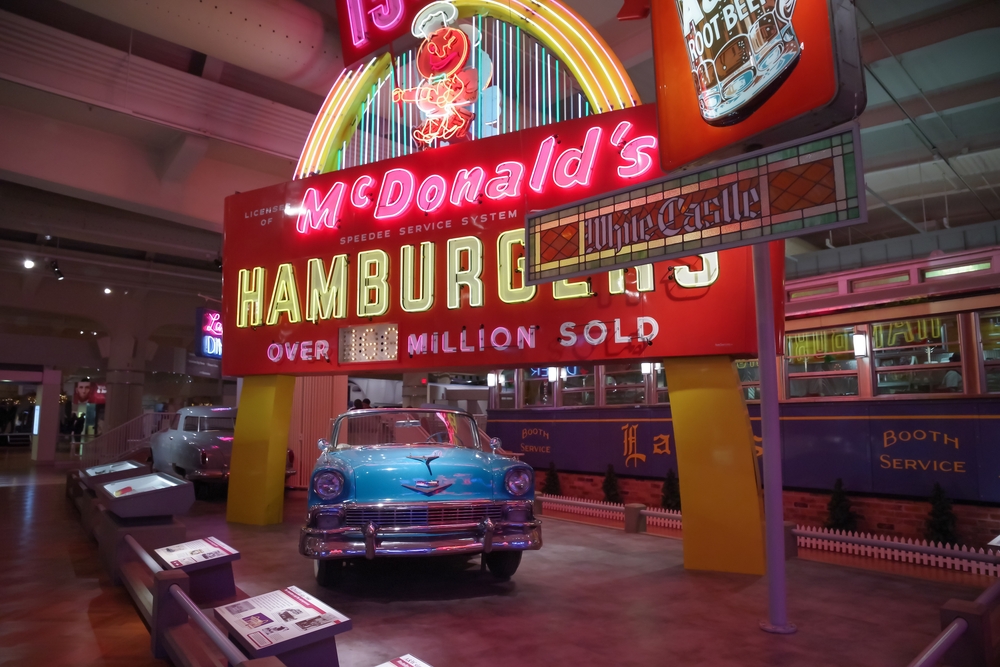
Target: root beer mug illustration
[(740, 52)]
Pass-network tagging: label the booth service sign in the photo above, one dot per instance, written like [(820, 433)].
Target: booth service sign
[(418, 261)]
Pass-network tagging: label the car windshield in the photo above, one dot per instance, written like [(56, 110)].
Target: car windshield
[(373, 428)]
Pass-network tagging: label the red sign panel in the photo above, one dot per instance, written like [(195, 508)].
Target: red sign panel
[(740, 74), (368, 25), (417, 262)]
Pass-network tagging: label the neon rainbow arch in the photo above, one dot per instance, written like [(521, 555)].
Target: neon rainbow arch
[(587, 56)]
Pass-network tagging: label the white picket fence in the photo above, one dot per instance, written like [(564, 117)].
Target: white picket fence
[(662, 518), (592, 508), (881, 547), (918, 552)]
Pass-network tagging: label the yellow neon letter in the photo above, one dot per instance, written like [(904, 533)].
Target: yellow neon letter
[(506, 269), (564, 289), (284, 297), (472, 248), (643, 279), (251, 286), (327, 291), (407, 300), (369, 304)]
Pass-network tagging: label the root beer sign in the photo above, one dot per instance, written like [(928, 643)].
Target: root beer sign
[(418, 261)]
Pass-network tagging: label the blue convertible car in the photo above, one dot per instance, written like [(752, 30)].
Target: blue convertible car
[(416, 482)]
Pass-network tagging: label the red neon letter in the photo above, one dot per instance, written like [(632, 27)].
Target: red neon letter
[(618, 136), (360, 198), (639, 160), (507, 183), (580, 161), (396, 194), (387, 15), (468, 184), (356, 18), (314, 213), (540, 170), (431, 193)]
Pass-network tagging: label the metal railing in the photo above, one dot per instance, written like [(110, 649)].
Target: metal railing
[(955, 630), (120, 440), (233, 654), (146, 559)]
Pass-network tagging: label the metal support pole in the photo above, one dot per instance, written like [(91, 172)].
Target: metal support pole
[(770, 429)]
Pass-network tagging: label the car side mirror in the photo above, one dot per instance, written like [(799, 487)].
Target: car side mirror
[(324, 445), (495, 444)]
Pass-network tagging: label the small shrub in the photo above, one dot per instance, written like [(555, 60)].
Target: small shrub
[(552, 486), (941, 520), (612, 494), (671, 498), (841, 516)]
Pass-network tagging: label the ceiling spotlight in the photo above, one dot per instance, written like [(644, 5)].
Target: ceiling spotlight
[(218, 263), (81, 333), (107, 290), (55, 269), (29, 263)]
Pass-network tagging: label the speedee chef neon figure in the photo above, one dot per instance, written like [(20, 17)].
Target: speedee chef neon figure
[(741, 51), (450, 85)]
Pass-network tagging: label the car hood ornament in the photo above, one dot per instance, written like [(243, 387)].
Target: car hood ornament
[(427, 461)]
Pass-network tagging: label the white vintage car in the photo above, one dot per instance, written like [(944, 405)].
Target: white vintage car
[(198, 444)]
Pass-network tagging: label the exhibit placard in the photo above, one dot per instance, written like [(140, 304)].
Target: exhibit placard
[(280, 620), (209, 550), (404, 661), (801, 187)]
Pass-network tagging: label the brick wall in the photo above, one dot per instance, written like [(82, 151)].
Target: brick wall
[(977, 524)]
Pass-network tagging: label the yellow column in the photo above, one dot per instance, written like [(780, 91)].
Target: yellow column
[(720, 489), (257, 468)]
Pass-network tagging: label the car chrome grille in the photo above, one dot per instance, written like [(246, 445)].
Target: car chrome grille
[(422, 515)]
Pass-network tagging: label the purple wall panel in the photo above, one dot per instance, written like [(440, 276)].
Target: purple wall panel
[(885, 447)]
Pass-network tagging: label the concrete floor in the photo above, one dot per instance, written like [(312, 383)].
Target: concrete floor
[(591, 596)]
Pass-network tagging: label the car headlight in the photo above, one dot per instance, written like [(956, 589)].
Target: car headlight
[(328, 485), (518, 481)]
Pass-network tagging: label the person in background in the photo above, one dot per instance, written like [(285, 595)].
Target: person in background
[(357, 404), (366, 404)]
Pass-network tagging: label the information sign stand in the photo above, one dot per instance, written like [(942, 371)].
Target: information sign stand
[(290, 624), (97, 475), (208, 562), (142, 507)]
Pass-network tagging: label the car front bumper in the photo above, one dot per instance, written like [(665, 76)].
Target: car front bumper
[(372, 540)]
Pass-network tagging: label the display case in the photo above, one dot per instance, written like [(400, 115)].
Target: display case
[(147, 496), (102, 474)]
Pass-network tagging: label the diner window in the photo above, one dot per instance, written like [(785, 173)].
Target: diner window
[(536, 390), (624, 384), (821, 363), (505, 389), (749, 372), (918, 356), (989, 333), (577, 385), (660, 378)]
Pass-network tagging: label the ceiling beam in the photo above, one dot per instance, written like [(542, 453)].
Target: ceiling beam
[(956, 21)]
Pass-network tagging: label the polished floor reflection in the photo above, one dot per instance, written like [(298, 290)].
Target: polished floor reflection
[(592, 596)]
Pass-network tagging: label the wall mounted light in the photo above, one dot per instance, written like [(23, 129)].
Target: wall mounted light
[(553, 373), (860, 345), (491, 379), (647, 368)]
